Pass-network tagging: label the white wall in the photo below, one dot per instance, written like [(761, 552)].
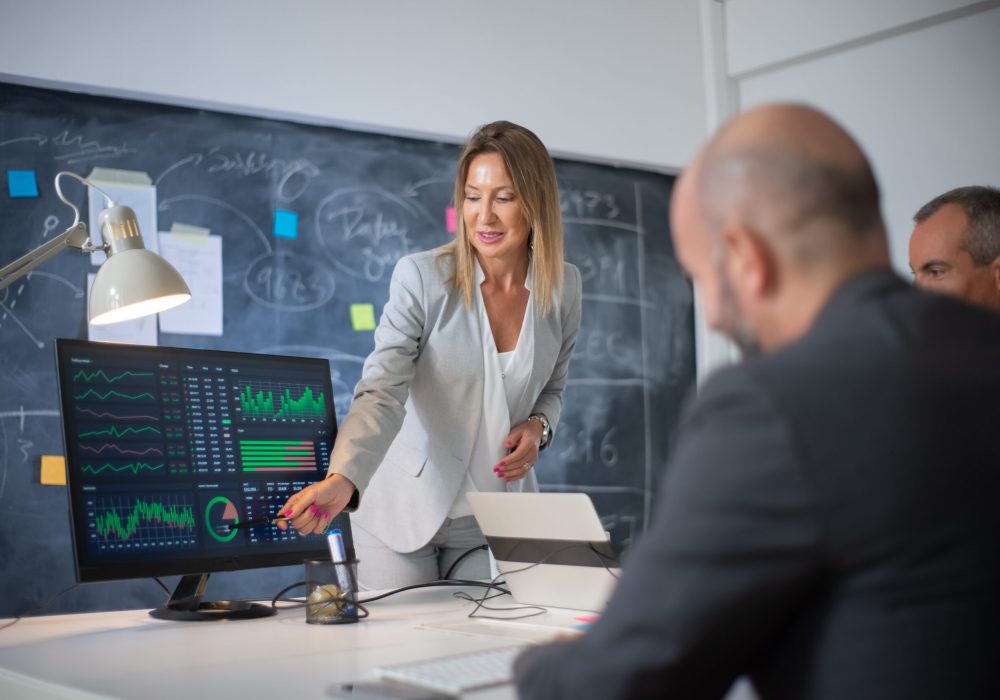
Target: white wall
[(615, 81), (915, 81), (924, 103), (631, 81), (762, 33)]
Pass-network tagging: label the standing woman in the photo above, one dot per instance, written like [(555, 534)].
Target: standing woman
[(465, 383)]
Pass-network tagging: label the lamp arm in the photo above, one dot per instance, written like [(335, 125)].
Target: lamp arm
[(75, 236)]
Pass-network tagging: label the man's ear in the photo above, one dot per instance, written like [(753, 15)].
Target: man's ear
[(995, 276), (750, 259)]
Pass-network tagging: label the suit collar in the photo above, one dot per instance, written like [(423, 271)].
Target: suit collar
[(868, 283), (481, 276)]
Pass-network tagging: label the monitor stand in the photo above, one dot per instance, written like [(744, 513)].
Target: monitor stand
[(186, 604)]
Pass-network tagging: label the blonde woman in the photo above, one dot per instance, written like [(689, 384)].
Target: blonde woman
[(464, 386)]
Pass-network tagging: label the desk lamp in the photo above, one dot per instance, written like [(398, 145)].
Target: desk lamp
[(132, 282)]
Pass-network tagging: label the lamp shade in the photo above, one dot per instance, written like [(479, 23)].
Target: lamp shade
[(134, 283)]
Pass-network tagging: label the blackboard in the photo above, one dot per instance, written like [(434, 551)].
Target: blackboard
[(363, 200)]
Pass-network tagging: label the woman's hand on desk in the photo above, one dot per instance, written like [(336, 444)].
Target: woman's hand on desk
[(311, 509), (522, 441)]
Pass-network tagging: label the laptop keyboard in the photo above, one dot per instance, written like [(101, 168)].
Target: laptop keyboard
[(456, 673)]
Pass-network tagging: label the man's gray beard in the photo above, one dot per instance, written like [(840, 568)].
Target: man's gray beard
[(745, 339), (733, 325)]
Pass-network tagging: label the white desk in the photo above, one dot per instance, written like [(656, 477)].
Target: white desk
[(130, 655)]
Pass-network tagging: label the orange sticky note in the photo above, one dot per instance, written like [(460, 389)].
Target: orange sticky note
[(53, 470), (449, 220)]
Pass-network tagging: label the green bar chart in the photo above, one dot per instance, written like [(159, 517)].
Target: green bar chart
[(280, 401), (277, 455)]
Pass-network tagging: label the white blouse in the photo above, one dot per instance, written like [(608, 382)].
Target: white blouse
[(505, 400)]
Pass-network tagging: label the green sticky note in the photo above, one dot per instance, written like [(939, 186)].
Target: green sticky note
[(363, 317)]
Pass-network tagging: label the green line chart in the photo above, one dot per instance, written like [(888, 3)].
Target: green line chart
[(282, 401), (148, 521), (85, 376), (114, 395), (114, 431), (134, 467)]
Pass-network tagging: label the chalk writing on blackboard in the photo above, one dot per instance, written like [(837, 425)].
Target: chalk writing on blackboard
[(362, 201)]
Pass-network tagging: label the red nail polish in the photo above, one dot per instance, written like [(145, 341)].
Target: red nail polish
[(313, 509), (503, 464)]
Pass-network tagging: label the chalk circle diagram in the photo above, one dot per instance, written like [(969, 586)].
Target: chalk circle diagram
[(220, 513), (289, 281), (365, 231)]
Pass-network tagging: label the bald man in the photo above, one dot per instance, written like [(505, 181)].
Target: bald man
[(828, 522), (955, 246)]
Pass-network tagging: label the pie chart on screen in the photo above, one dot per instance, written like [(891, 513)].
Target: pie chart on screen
[(220, 513)]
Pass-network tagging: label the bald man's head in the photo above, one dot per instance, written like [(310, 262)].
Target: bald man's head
[(791, 174), (776, 211)]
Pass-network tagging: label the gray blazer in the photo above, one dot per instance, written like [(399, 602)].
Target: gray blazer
[(827, 523), (417, 407)]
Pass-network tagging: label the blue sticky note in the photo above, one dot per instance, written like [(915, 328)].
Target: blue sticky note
[(286, 224), (21, 183)]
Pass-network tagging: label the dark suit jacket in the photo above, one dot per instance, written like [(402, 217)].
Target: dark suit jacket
[(828, 524)]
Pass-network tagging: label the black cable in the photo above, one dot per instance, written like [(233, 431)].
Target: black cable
[(40, 606), (481, 602), (604, 561), (462, 556), (163, 585), (446, 583), (450, 582), (295, 603)]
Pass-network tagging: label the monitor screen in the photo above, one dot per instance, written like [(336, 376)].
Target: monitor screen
[(166, 448)]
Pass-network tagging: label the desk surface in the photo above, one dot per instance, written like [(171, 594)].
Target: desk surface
[(130, 655)]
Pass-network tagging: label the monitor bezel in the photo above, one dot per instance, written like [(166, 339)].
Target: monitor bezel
[(180, 565)]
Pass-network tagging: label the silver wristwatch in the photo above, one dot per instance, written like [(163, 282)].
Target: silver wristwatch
[(546, 429)]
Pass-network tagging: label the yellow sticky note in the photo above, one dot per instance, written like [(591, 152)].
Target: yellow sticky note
[(53, 470), (363, 317)]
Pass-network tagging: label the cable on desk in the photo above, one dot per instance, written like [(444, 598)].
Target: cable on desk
[(40, 606), (446, 583), (363, 612), (462, 556), (481, 602), (538, 610)]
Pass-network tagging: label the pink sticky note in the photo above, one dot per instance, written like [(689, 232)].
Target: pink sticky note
[(449, 219)]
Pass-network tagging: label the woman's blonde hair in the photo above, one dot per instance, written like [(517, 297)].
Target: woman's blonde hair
[(534, 178)]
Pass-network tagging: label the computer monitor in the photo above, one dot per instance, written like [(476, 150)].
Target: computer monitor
[(166, 448)]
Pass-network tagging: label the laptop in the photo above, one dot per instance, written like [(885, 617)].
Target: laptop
[(550, 547)]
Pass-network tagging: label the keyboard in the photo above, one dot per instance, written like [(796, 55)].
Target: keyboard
[(456, 673)]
